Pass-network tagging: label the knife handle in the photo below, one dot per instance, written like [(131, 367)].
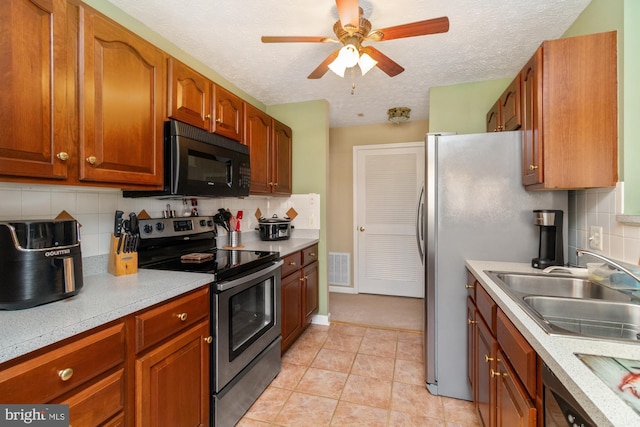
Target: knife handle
[(117, 225)]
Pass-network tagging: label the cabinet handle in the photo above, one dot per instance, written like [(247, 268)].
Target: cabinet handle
[(471, 322), (218, 120), (91, 160), (469, 286), (208, 339), (487, 359), (271, 184), (361, 228), (182, 316), (63, 156), (65, 374), (497, 373), (312, 254), (533, 167), (208, 117), (292, 263), (275, 184)]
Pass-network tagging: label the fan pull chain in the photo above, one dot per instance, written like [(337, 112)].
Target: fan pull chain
[(353, 80), (353, 88)]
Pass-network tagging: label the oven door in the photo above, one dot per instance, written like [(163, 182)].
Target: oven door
[(247, 320)]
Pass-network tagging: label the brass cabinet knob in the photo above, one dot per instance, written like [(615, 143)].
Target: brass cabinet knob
[(533, 167), (487, 359), (497, 373), (63, 156), (208, 117), (208, 339), (313, 254), (361, 228), (218, 120), (292, 263), (471, 322), (92, 160), (65, 374), (469, 286), (182, 316), (275, 184)]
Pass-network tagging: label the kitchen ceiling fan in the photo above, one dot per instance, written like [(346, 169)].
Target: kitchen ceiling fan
[(352, 29)]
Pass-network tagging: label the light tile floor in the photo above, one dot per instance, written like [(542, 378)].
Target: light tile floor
[(352, 375)]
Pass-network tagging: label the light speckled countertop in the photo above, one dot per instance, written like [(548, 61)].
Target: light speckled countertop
[(104, 298), (558, 352)]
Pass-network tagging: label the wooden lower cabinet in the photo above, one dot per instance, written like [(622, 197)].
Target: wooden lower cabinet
[(299, 293), (172, 381), (504, 366)]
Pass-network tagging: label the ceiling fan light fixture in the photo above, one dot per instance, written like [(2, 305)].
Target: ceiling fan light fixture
[(366, 63), (347, 58)]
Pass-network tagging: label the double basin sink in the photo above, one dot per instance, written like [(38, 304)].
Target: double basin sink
[(573, 306)]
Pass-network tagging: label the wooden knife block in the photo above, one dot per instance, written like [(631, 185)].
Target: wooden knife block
[(121, 263)]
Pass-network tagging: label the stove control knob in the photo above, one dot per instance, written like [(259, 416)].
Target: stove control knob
[(147, 228), (159, 226), (203, 223), (210, 223)]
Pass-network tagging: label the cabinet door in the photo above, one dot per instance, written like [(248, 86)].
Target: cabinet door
[(513, 406), (291, 309), (493, 118), (34, 79), (485, 385), (227, 110), (532, 167), (172, 381), (121, 105), (189, 95), (310, 273), (471, 345), (282, 158), (257, 135), (510, 106)]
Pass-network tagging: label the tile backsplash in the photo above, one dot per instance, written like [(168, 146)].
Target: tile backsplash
[(599, 207), (94, 209)]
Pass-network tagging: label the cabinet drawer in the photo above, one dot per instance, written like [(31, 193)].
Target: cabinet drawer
[(95, 404), (486, 307), (40, 379), (292, 263), (309, 255), (520, 354), (159, 323), (471, 285)]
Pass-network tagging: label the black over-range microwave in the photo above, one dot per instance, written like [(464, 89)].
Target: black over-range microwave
[(199, 163)]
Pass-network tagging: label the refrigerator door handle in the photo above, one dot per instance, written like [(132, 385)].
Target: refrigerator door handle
[(420, 224)]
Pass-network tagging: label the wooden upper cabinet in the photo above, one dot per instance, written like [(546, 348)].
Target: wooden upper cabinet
[(282, 159), (228, 112), (122, 107), (505, 114), (189, 95), (34, 84), (573, 119), (257, 135)]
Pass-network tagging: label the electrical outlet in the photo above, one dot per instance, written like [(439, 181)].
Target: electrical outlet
[(595, 237)]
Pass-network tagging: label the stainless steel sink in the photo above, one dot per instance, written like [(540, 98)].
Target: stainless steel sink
[(588, 316), (559, 286), (567, 305)]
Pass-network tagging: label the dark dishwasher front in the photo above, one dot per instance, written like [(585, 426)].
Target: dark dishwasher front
[(560, 408)]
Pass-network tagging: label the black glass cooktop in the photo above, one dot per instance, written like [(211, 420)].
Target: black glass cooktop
[(223, 263)]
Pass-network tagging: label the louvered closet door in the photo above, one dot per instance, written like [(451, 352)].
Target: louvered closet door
[(388, 181)]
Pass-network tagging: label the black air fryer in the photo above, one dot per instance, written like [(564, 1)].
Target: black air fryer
[(41, 262)]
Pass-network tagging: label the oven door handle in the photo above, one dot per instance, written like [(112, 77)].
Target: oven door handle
[(223, 286)]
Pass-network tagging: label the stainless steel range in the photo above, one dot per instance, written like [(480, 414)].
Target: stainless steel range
[(245, 307)]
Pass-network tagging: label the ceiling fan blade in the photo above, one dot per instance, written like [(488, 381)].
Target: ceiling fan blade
[(324, 66), (349, 13), (386, 64), (295, 39), (420, 28)]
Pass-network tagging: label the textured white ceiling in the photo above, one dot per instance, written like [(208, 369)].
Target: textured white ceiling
[(487, 39)]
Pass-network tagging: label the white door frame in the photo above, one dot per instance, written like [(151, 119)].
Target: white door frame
[(356, 150)]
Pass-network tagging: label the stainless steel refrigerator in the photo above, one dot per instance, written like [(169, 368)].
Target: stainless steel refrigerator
[(473, 206)]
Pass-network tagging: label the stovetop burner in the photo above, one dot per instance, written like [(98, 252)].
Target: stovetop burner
[(164, 242)]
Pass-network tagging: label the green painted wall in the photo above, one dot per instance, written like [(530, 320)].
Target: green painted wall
[(462, 108), (309, 122)]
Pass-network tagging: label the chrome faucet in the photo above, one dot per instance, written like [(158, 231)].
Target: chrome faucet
[(610, 262)]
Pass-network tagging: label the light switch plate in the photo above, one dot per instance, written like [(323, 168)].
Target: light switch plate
[(595, 237)]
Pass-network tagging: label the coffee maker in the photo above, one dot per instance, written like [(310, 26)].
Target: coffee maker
[(550, 250)]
